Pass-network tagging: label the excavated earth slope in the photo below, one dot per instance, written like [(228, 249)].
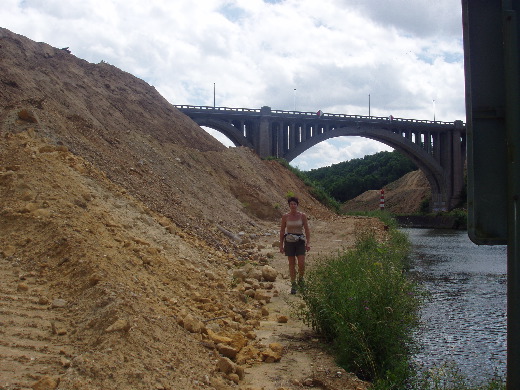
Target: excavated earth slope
[(135, 250), (403, 196)]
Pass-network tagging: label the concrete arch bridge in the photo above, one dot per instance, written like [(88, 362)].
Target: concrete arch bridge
[(437, 148)]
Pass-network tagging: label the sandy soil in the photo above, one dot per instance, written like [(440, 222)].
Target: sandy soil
[(98, 291), (135, 250), (404, 196)]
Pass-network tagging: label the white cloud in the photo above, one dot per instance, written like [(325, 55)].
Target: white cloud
[(219, 136), (333, 52), (336, 150)]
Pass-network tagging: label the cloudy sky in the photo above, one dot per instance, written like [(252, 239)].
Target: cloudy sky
[(287, 54)]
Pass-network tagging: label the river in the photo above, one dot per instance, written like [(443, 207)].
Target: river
[(464, 318)]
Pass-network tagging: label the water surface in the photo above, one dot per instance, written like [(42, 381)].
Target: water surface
[(464, 319)]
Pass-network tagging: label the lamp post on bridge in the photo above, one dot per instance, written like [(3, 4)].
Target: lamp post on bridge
[(294, 99)]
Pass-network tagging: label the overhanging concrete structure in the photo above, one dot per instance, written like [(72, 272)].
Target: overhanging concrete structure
[(437, 148)]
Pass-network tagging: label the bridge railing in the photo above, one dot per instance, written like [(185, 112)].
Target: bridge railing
[(211, 108), (303, 114)]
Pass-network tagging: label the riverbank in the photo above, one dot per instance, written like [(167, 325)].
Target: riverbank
[(431, 221)]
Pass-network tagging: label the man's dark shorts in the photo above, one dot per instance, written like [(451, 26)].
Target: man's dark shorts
[(294, 248)]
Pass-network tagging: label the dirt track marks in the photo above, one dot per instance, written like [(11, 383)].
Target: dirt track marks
[(32, 334)]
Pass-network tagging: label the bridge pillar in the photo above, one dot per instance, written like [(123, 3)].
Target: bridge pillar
[(304, 132), (458, 163), (277, 140), (263, 139), (292, 135), (282, 139), (428, 142), (439, 202), (437, 146), (417, 136)]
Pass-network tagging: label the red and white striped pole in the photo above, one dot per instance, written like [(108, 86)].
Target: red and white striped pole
[(382, 200)]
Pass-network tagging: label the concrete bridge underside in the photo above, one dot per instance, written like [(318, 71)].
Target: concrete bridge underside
[(437, 148)]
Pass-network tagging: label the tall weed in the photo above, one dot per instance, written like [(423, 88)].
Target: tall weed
[(364, 305)]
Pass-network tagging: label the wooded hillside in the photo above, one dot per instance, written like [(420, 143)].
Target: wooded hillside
[(346, 180)]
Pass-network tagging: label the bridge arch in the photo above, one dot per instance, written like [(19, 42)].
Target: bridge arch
[(422, 159), (226, 128)]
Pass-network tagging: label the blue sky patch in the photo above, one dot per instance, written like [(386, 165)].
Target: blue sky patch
[(232, 12)]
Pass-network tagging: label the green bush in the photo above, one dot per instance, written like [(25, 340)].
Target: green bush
[(364, 305), (461, 218), (424, 208)]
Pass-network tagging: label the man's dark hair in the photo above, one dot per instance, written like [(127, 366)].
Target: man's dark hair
[(293, 199)]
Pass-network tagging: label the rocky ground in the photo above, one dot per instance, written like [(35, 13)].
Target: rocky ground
[(136, 252), (98, 291)]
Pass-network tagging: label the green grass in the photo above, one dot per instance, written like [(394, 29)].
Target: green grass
[(364, 305)]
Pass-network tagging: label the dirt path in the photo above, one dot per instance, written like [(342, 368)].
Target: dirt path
[(305, 362)]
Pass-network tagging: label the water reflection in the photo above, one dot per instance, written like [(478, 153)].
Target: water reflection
[(464, 319)]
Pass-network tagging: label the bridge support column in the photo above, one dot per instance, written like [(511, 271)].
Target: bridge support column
[(277, 140), (292, 135), (458, 164), (436, 146), (305, 132), (281, 140), (263, 137)]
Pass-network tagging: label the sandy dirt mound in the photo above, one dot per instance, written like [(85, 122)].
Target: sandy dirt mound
[(109, 274), (403, 196), (99, 291), (135, 250), (140, 141)]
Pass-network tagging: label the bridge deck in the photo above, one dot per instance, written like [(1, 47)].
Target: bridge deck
[(230, 111)]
